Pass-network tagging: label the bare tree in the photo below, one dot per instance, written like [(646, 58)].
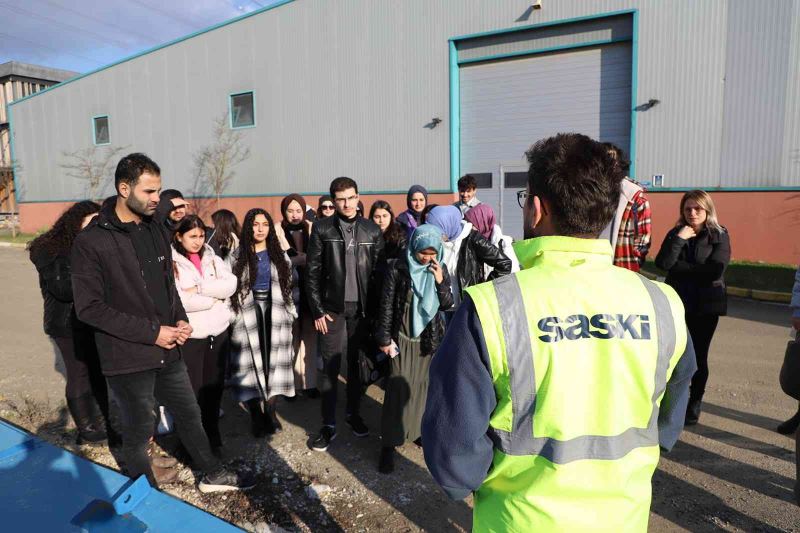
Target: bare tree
[(93, 166), (7, 192), (213, 164)]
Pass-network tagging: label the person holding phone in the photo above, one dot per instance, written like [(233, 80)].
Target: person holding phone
[(695, 253), (409, 330)]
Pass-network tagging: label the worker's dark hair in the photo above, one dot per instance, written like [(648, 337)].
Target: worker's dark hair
[(131, 167), (342, 184), (578, 178), (467, 182), (619, 155)]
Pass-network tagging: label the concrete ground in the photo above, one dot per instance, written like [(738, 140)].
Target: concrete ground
[(731, 472)]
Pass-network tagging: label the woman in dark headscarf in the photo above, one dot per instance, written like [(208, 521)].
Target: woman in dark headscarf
[(416, 199), (409, 329), (325, 207), (297, 230)]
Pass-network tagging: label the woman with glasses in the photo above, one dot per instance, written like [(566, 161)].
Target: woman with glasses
[(695, 253), (325, 207)]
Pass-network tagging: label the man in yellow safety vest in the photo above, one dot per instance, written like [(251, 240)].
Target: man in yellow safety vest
[(555, 387)]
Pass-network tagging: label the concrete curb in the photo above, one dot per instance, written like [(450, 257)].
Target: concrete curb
[(752, 294), (12, 244)]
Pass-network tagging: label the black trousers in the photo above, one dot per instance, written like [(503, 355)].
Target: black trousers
[(136, 394), (82, 365), (345, 336), (205, 361), (701, 328)]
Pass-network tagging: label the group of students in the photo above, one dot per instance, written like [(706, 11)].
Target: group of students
[(271, 309)]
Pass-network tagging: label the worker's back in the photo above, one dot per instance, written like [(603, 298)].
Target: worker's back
[(580, 354)]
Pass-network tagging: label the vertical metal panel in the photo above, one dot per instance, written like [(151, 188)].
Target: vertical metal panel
[(790, 154), (756, 72)]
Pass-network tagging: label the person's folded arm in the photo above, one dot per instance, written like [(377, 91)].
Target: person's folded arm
[(461, 398), (221, 287)]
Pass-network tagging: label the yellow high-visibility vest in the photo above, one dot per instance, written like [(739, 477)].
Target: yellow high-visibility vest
[(580, 354)]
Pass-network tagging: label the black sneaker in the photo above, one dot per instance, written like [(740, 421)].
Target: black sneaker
[(358, 426), (225, 481), (323, 440), (790, 426)]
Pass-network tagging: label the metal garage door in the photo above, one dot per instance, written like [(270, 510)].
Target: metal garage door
[(508, 105)]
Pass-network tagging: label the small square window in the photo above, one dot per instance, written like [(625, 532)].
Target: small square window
[(243, 110), (101, 132)]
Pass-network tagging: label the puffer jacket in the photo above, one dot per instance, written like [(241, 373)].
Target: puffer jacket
[(395, 295), (475, 252), (208, 309), (325, 263)]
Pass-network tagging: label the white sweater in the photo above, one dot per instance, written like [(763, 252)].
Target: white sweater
[(207, 309)]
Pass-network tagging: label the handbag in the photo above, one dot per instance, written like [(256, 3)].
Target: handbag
[(372, 367), (790, 370)]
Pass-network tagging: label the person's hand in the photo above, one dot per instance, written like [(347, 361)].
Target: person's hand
[(321, 323), (386, 349), (191, 290), (796, 324), (184, 331), (436, 269), (686, 233), (167, 337)]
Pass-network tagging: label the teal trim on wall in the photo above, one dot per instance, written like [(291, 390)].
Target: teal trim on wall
[(230, 110), (455, 119), (542, 50), (94, 130), (634, 92), (544, 24), (156, 48)]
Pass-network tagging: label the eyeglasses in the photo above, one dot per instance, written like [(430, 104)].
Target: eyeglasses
[(326, 206), (522, 197)]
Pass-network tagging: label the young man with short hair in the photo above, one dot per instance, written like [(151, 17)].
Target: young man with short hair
[(342, 252), (123, 283), (467, 188), (555, 386)]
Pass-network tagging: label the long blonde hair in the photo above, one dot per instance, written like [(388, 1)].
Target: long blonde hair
[(704, 200)]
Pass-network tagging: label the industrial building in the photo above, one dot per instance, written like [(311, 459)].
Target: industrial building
[(18, 80), (701, 94)]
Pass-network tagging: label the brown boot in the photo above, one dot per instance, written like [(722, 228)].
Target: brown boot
[(158, 460), (164, 476)]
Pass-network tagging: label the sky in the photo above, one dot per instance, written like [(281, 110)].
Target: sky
[(83, 35)]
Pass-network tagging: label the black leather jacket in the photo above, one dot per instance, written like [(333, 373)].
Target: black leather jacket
[(475, 252), (325, 263), (395, 293)]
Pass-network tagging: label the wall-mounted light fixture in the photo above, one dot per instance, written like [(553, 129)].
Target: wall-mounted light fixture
[(537, 4)]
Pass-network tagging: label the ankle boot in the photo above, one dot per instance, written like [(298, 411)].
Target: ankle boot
[(790, 426), (386, 462), (82, 413), (272, 406), (158, 460), (256, 418), (692, 412), (164, 476)]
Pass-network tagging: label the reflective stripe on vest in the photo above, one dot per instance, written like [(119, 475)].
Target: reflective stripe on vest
[(521, 439)]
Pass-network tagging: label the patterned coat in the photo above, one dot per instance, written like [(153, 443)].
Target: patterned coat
[(247, 377)]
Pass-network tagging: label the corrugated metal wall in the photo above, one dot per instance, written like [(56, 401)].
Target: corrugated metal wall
[(347, 88)]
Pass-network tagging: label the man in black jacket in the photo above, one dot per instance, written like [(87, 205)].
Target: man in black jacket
[(124, 287), (342, 253)]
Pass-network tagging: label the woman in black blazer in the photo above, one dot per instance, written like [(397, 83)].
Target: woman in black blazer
[(695, 253)]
